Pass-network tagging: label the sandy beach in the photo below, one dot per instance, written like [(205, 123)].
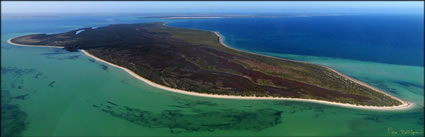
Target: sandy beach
[(23, 45), (405, 105)]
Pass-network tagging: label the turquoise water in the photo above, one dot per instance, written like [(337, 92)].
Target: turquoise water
[(63, 93)]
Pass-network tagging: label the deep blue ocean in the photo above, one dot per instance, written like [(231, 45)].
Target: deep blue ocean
[(392, 39)]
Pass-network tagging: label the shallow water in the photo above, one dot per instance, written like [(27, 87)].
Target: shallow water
[(63, 93)]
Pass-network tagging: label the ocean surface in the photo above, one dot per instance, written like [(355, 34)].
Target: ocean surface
[(48, 91), (386, 39)]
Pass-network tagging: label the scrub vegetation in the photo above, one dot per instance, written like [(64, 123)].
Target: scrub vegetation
[(195, 60)]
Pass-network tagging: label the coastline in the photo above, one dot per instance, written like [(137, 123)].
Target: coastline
[(184, 17), (403, 106), (23, 45), (404, 103)]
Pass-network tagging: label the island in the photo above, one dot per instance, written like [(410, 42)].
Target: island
[(216, 16), (197, 62)]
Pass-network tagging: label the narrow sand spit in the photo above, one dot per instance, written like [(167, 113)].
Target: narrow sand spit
[(23, 45)]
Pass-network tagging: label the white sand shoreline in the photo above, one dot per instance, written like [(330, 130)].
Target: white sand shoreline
[(404, 106), (23, 45), (404, 103)]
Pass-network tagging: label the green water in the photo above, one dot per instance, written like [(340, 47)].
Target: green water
[(63, 94)]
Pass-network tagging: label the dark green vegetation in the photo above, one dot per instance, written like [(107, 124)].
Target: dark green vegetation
[(178, 121), (194, 60)]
